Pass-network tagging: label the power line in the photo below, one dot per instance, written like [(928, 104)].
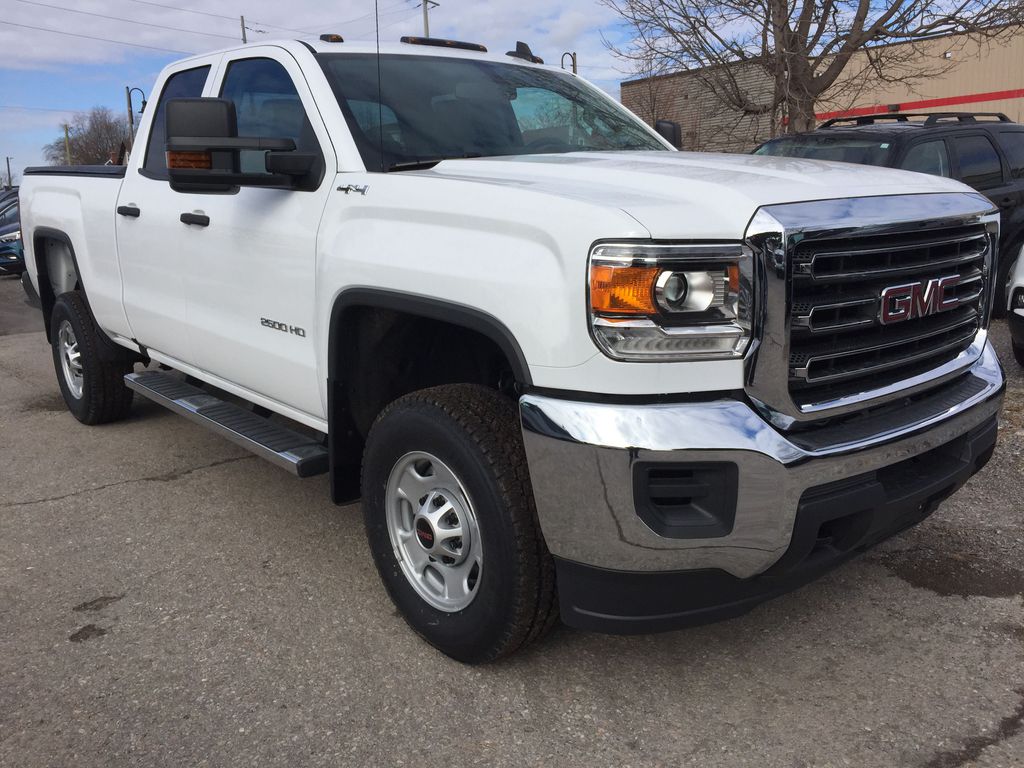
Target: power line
[(126, 21), (90, 37), (396, 21), (385, 11), (215, 15), (37, 109)]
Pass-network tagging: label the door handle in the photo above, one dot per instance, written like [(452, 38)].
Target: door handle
[(129, 210), (195, 218)]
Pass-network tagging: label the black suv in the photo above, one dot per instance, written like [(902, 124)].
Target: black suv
[(984, 150)]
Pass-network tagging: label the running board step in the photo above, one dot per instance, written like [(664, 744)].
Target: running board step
[(301, 455)]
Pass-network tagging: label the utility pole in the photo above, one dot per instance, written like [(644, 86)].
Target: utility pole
[(242, 18), (67, 143), (131, 117), (10, 179), (426, 15)]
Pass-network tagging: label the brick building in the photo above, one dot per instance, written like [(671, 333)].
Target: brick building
[(988, 77)]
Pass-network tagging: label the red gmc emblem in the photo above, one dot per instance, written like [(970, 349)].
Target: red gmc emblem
[(928, 297)]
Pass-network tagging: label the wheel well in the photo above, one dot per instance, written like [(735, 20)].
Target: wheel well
[(56, 270), (379, 353), (386, 354)]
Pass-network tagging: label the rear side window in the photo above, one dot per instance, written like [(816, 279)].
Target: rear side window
[(187, 84), (267, 105), (927, 157), (1013, 146), (979, 163)]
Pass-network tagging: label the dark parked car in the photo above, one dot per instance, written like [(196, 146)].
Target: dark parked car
[(12, 254), (982, 149)]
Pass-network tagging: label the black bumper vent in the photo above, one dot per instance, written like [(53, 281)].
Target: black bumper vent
[(686, 501)]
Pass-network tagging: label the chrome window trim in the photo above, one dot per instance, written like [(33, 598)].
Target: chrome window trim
[(773, 234)]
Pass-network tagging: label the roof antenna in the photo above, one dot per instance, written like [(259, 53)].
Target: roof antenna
[(380, 88)]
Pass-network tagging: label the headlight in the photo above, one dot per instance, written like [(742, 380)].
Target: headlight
[(671, 302), (11, 237)]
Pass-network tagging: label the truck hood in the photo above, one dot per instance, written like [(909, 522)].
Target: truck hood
[(689, 194)]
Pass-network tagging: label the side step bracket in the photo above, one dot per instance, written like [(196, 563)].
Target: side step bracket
[(299, 454)]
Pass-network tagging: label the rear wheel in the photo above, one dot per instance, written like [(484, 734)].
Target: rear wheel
[(92, 384), (451, 522)]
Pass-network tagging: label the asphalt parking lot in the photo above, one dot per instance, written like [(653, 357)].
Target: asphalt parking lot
[(166, 599)]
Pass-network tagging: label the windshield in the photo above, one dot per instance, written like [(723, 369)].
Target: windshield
[(430, 108), (847, 149)]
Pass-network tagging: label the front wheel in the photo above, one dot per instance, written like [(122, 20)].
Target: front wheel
[(92, 384), (452, 525)]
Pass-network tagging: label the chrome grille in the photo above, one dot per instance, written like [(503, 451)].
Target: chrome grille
[(838, 345)]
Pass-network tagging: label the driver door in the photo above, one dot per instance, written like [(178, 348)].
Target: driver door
[(251, 285)]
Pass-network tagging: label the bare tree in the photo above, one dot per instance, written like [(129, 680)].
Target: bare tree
[(95, 137), (802, 48), (651, 97)]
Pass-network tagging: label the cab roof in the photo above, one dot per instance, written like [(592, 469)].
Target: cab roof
[(316, 45)]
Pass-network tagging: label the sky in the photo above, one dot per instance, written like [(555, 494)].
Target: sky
[(45, 77)]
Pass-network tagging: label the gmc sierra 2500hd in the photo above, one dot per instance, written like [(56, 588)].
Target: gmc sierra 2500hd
[(567, 368)]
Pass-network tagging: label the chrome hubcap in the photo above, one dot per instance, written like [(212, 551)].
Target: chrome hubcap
[(70, 358), (434, 531)]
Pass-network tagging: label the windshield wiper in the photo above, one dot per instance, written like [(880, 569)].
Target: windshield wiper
[(427, 162)]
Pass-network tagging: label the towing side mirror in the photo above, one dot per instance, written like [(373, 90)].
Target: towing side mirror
[(670, 132), (204, 151)]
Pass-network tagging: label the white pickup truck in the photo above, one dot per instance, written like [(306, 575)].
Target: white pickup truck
[(568, 369)]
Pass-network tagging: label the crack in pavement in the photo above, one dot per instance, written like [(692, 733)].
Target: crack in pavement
[(162, 478), (972, 747)]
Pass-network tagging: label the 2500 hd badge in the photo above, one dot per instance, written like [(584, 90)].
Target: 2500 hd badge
[(279, 326)]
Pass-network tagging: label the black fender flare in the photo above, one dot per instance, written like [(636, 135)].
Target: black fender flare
[(430, 308), (109, 349), (343, 446)]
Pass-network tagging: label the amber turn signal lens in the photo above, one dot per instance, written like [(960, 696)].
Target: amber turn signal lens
[(197, 160), (622, 290), (733, 270)]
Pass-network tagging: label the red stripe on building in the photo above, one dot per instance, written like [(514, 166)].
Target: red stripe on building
[(907, 106)]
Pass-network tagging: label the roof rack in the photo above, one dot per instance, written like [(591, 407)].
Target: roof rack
[(966, 117), (931, 118), (441, 43), (523, 51)]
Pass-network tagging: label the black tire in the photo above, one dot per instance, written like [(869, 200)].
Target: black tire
[(475, 432), (104, 396), (1018, 352)]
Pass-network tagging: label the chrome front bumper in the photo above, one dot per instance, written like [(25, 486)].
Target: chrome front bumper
[(581, 458)]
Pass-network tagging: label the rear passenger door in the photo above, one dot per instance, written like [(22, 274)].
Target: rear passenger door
[(978, 164), (1011, 141), (154, 250)]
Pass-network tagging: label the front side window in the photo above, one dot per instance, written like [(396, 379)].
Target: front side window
[(267, 105), (927, 157), (187, 84), (979, 163), (424, 109)]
